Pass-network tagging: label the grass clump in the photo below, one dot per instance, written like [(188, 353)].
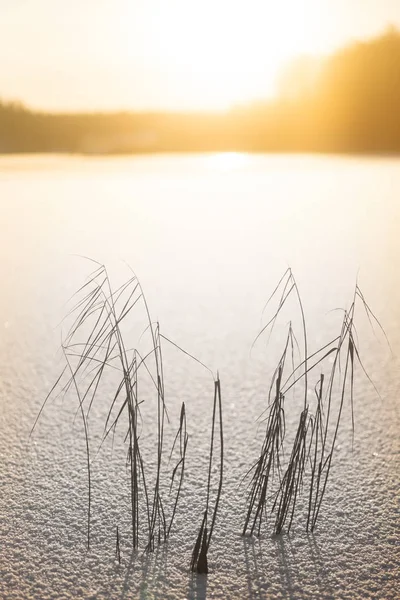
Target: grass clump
[(274, 490), (96, 347)]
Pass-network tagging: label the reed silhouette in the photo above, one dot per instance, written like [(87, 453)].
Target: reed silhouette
[(96, 344)]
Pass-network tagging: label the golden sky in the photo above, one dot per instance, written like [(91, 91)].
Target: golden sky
[(168, 54)]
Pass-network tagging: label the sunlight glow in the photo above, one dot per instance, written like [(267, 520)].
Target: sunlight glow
[(221, 53), (178, 55), (228, 161)]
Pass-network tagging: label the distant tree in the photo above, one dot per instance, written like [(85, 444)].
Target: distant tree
[(358, 95)]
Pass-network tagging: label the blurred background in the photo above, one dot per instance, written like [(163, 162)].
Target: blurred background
[(147, 76)]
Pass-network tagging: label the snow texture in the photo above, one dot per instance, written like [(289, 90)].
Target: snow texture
[(355, 550)]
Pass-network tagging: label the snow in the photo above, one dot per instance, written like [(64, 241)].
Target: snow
[(355, 550)]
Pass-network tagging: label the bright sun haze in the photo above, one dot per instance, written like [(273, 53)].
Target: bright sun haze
[(168, 54)]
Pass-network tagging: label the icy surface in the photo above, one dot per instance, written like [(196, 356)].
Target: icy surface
[(210, 300)]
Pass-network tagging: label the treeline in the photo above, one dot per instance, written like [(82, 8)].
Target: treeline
[(351, 104)]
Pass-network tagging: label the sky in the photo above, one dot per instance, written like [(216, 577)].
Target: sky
[(169, 54)]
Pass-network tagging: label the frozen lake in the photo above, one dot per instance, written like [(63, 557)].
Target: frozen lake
[(209, 237)]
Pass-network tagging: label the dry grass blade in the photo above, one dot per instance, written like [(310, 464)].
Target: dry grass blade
[(118, 548), (87, 449), (221, 462), (316, 438), (183, 441)]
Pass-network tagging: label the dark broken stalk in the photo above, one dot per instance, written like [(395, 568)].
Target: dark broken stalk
[(199, 562), (118, 548), (199, 554)]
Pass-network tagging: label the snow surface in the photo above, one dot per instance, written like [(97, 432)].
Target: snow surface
[(355, 551)]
